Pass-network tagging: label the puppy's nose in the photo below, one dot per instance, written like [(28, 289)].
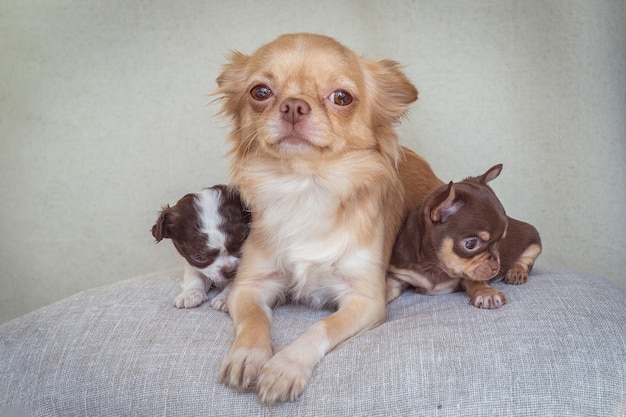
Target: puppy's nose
[(294, 109)]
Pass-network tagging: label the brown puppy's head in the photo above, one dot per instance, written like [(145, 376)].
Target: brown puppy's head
[(306, 96), (182, 223), (205, 226), (466, 222)]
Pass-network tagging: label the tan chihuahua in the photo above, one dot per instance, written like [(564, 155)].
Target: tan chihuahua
[(318, 162), (460, 238)]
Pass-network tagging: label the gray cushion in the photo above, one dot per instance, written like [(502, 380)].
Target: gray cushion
[(557, 349)]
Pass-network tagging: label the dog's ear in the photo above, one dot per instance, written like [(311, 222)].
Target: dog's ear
[(390, 88), (160, 230), (233, 72), (230, 83), (448, 207), (390, 93), (491, 174)]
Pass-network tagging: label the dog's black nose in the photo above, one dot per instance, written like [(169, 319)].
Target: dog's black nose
[(294, 109)]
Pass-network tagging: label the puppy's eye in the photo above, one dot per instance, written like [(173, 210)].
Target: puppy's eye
[(471, 243), (341, 98), (200, 258), (261, 92)]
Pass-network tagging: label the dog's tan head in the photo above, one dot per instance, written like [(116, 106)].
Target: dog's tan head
[(306, 96)]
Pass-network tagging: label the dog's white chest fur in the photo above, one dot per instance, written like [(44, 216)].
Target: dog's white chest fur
[(302, 214), (299, 216)]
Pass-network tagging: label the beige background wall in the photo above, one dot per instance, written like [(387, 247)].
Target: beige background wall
[(104, 119)]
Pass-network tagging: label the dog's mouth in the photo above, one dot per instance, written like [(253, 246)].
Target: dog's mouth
[(294, 139)]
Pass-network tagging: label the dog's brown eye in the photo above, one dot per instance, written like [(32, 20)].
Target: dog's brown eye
[(470, 243), (341, 98), (261, 92)]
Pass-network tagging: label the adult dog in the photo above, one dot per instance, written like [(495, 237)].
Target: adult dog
[(316, 158)]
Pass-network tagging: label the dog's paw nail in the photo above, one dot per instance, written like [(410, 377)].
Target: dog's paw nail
[(241, 367), (283, 378), (489, 301)]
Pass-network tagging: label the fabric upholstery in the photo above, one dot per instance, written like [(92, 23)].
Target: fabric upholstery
[(558, 348)]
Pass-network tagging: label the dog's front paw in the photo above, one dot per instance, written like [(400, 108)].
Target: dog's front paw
[(219, 302), (241, 366), (190, 298), (488, 298), (283, 378), (517, 274)]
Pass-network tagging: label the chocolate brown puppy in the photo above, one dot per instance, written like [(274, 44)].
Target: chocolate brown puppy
[(460, 238)]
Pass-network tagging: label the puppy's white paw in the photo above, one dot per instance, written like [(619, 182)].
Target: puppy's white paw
[(283, 378), (241, 366), (190, 298), (219, 302), (489, 299)]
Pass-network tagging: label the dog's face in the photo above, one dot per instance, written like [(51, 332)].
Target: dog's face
[(308, 97), (207, 228), (467, 222)]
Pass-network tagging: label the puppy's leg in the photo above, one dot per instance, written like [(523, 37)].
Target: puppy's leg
[(394, 287), (249, 304), (482, 295), (285, 376), (518, 272), (219, 301), (194, 290)]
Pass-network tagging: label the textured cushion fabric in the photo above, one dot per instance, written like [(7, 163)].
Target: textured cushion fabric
[(558, 348)]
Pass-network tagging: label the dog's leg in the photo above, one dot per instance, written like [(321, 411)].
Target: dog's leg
[(482, 295), (194, 290), (518, 272), (249, 304), (285, 376)]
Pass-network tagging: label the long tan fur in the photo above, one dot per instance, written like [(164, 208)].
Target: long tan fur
[(321, 178)]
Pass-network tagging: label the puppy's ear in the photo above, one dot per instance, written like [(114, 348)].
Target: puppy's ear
[(491, 174), (448, 207), (160, 230)]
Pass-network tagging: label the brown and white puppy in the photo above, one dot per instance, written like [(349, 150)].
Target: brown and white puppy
[(208, 229), (461, 238), (317, 160)]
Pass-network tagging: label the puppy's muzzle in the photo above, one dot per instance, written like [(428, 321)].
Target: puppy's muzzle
[(294, 110), (486, 270)]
